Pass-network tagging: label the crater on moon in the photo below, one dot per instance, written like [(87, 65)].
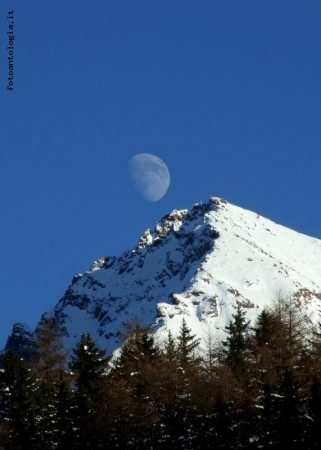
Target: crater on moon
[(150, 176)]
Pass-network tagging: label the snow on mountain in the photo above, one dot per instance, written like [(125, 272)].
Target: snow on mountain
[(197, 264)]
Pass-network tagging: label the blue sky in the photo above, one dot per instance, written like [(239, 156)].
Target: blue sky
[(227, 93)]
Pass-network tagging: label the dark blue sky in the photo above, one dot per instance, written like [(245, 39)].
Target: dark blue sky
[(227, 93)]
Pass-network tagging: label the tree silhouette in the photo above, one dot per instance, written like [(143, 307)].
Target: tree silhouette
[(237, 344)]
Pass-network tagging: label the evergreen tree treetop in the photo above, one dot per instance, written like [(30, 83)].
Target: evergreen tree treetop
[(264, 328), (186, 343), (237, 343), (49, 357), (18, 400), (88, 361), (170, 348), (137, 350)]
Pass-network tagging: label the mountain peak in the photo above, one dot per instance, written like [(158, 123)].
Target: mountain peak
[(179, 220), (198, 264)]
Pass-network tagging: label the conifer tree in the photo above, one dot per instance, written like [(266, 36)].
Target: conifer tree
[(237, 344), (286, 426), (224, 425), (46, 413), (186, 345), (290, 333), (268, 417), (48, 356), (212, 355), (314, 415), (145, 375), (138, 351), (18, 393), (168, 390), (88, 362), (178, 412), (170, 349), (139, 365), (64, 421), (315, 350), (264, 329), (169, 367), (265, 352)]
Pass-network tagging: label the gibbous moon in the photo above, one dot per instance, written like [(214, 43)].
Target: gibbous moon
[(150, 176)]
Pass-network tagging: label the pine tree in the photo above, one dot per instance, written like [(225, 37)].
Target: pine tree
[(116, 412), (64, 435), (18, 392), (138, 351), (47, 360), (264, 351), (268, 417), (88, 362), (137, 368), (290, 333), (264, 329), (169, 368), (314, 415), (186, 345), (237, 344), (46, 412), (49, 356), (286, 426), (170, 349), (212, 355), (221, 433), (181, 369), (315, 350)]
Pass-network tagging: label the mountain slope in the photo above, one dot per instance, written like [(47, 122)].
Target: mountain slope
[(196, 264)]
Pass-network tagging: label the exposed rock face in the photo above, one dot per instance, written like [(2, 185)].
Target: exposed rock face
[(197, 263)]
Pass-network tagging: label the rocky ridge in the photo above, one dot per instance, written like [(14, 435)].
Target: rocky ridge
[(198, 264)]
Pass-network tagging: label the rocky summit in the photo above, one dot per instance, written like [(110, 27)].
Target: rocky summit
[(198, 264)]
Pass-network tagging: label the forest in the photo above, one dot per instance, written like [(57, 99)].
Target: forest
[(259, 388)]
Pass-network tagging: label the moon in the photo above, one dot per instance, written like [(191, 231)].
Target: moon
[(150, 176)]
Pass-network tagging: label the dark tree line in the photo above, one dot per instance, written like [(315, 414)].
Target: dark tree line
[(258, 389)]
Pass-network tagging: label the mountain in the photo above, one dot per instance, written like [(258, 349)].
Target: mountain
[(197, 264)]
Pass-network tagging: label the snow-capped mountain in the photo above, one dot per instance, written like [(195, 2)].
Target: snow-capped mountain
[(197, 264)]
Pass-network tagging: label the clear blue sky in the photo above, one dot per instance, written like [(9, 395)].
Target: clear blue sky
[(227, 93)]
